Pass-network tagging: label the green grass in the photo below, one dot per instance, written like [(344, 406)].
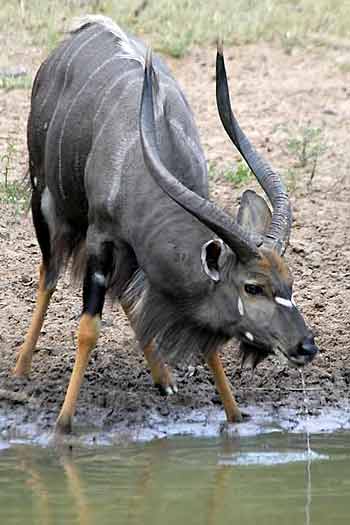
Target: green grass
[(174, 26), (305, 145), (344, 67), (238, 176), (9, 83), (15, 192)]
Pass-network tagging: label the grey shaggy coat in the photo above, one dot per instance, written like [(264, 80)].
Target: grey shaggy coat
[(87, 165)]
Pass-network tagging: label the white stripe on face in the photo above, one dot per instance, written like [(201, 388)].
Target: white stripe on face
[(284, 302), (240, 306)]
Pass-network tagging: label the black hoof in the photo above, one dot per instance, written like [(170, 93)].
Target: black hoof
[(168, 390), (245, 417)]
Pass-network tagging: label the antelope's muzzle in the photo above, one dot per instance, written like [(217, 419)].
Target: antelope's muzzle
[(305, 352)]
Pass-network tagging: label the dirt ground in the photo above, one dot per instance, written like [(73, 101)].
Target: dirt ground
[(271, 91)]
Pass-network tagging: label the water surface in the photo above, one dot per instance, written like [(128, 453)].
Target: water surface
[(265, 480)]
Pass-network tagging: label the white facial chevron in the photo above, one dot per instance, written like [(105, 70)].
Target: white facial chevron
[(284, 302)]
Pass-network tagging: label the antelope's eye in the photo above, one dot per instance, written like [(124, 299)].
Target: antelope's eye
[(254, 289)]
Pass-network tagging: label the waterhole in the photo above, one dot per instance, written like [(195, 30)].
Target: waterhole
[(248, 480)]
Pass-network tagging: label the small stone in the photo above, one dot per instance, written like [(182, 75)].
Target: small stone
[(315, 260), (319, 303), (299, 247), (330, 112), (164, 410)]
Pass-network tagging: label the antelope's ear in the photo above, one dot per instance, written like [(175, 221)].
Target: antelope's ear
[(213, 257), (254, 214)]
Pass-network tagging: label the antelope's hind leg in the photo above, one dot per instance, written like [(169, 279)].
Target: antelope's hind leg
[(94, 291), (45, 289)]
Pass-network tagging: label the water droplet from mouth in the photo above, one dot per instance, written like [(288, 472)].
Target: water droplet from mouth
[(306, 413), (309, 452)]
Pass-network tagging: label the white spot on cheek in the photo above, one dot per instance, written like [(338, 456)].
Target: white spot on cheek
[(284, 302), (293, 301), (240, 306), (249, 336)]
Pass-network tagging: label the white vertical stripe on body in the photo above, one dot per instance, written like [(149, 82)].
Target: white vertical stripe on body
[(91, 76), (108, 92), (125, 142), (110, 116), (66, 79), (196, 150), (62, 57)]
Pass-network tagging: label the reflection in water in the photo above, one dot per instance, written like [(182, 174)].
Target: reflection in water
[(180, 481), (308, 491), (36, 483), (221, 486), (36, 480), (145, 482), (75, 489), (309, 452)]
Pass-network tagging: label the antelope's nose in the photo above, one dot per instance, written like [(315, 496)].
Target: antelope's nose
[(308, 349)]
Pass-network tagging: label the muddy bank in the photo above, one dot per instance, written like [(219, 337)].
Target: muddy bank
[(200, 423)]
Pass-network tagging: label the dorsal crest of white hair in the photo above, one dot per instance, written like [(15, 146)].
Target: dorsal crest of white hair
[(129, 48)]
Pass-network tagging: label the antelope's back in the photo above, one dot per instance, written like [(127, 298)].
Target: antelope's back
[(85, 103), (71, 92)]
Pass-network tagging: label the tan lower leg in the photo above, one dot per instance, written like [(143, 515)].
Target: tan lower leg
[(24, 359), (233, 413), (89, 329), (160, 372)]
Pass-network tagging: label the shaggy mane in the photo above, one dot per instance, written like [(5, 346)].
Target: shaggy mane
[(154, 318)]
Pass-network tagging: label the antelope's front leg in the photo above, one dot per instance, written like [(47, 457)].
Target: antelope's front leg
[(89, 328), (160, 371), (233, 414)]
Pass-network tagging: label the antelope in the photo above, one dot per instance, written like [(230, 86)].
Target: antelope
[(120, 188)]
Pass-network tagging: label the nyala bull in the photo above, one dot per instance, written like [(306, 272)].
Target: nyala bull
[(120, 188)]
